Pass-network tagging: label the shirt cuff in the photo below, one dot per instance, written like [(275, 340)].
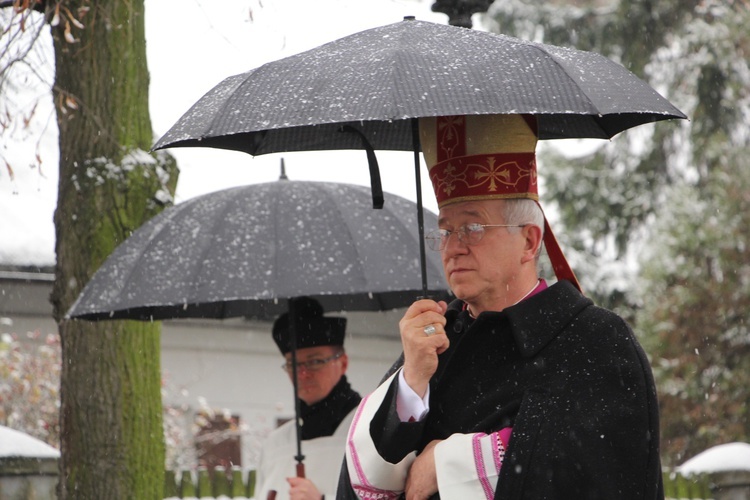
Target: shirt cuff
[(409, 406)]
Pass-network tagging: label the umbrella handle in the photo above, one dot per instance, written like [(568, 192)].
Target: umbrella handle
[(300, 473)]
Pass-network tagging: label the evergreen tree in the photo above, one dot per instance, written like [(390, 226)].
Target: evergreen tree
[(696, 296), (604, 198), (674, 198)]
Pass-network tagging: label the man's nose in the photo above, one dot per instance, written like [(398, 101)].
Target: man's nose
[(454, 245)]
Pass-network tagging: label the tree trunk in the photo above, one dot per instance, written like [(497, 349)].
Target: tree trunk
[(111, 414)]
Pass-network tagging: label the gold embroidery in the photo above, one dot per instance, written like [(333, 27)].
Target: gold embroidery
[(481, 177), (449, 138), (447, 183), (492, 174)]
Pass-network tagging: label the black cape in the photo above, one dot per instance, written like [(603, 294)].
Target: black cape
[(569, 377)]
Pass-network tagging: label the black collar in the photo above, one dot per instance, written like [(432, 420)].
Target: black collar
[(535, 321), (323, 417)]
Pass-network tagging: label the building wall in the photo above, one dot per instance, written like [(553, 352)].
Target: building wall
[(231, 364), (238, 367)]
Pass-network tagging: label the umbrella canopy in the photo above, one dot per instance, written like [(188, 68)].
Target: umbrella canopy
[(362, 90), (238, 251)]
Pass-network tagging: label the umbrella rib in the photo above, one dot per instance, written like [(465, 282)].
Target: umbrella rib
[(394, 97), (218, 216), (223, 108), (274, 279), (565, 72), (337, 202), (162, 223)]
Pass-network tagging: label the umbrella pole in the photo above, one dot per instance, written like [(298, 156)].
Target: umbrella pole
[(420, 214), (293, 341)]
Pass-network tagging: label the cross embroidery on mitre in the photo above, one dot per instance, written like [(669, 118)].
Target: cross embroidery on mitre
[(485, 176), (446, 183), (508, 173), (451, 137)]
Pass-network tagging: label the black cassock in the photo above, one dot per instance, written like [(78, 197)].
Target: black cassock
[(569, 377)]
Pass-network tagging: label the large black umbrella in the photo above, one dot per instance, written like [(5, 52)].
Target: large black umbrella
[(367, 90), (242, 251), (376, 80), (251, 250)]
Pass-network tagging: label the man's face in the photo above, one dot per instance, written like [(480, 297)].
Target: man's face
[(315, 385), (483, 273)]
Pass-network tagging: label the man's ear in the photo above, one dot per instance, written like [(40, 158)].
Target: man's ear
[(533, 241), (344, 363)]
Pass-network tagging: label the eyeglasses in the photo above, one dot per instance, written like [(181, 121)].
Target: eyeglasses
[(468, 234), (311, 365)]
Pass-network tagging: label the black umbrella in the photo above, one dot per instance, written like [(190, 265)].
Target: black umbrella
[(243, 251), (376, 80), (367, 90)]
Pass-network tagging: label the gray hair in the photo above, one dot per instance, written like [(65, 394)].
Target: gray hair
[(522, 212)]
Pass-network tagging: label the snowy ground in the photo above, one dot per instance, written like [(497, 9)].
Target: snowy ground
[(724, 457), (18, 444)]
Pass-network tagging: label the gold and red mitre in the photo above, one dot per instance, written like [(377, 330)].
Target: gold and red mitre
[(487, 157), (480, 157)]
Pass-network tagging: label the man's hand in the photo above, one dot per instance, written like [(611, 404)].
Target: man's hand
[(301, 488), (421, 481), (421, 350)]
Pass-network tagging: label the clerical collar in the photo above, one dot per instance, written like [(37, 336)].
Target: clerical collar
[(538, 287), (323, 418)]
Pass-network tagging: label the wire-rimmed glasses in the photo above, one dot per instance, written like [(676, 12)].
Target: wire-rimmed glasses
[(311, 365), (468, 234)]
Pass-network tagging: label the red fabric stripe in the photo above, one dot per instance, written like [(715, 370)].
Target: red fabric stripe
[(451, 137), (559, 263), (486, 176)]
